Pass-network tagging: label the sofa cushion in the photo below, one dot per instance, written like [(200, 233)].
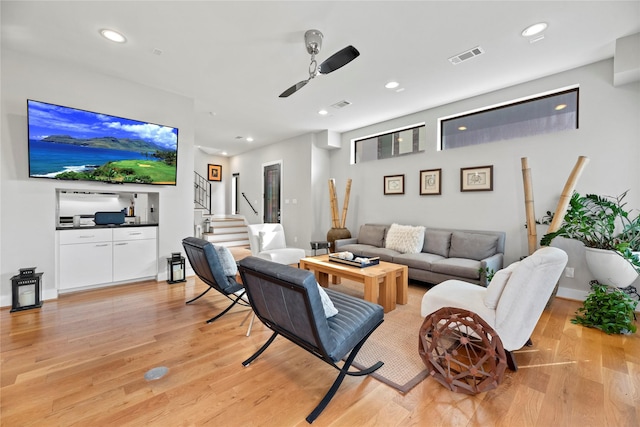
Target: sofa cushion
[(421, 261), (437, 242), (371, 234), (405, 238), (472, 245), (497, 284), (383, 253), (461, 267)]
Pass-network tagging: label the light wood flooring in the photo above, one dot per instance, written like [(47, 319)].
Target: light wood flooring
[(80, 360)]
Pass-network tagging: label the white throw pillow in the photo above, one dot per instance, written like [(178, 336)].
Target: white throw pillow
[(271, 240), (497, 284), (405, 239), (330, 310), (228, 263)]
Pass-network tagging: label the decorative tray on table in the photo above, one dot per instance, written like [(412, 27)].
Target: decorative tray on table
[(347, 258)]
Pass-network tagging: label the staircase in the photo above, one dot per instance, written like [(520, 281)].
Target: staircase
[(228, 230)]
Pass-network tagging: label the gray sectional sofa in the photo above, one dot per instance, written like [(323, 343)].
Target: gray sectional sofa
[(446, 253)]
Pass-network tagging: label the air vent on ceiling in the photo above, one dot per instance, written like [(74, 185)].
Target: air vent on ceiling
[(341, 104), (471, 53)]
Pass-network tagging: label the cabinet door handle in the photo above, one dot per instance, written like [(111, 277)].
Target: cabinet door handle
[(135, 234), (86, 237), (104, 244), (121, 244)]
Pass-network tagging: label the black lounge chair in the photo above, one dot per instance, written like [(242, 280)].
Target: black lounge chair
[(288, 302), (205, 262)]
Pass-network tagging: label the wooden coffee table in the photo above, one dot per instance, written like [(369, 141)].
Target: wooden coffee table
[(385, 284)]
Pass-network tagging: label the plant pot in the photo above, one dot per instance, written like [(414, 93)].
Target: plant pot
[(610, 268), (335, 234)]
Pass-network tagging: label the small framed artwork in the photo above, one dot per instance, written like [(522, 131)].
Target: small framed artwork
[(394, 184), (215, 173), (430, 182), (479, 178)]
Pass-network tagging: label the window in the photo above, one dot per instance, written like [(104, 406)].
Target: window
[(533, 116), (391, 144)]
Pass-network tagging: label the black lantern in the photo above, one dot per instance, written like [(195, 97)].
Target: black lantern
[(176, 268), (25, 289)]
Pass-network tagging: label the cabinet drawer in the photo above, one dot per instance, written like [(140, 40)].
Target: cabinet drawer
[(70, 237), (134, 233)]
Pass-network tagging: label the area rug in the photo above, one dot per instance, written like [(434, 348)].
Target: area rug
[(395, 342)]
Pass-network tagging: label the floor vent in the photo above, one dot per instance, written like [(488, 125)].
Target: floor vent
[(471, 53)]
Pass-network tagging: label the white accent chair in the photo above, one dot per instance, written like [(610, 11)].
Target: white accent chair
[(512, 303), (267, 242)]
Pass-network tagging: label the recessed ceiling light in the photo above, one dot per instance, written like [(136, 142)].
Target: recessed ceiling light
[(534, 29), (561, 107), (224, 153), (249, 139), (462, 128), (323, 112), (112, 35), (392, 85)]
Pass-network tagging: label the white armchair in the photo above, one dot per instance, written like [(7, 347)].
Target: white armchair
[(510, 306), (267, 242)]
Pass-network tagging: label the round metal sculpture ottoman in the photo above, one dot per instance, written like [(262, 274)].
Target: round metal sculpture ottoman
[(461, 351)]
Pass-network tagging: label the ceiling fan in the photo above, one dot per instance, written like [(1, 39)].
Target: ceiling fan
[(313, 42)]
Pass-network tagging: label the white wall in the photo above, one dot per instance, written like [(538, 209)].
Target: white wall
[(609, 135), (27, 224), (295, 155), (220, 190)]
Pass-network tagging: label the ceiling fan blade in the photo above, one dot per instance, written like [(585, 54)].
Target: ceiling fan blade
[(339, 59), (293, 89)]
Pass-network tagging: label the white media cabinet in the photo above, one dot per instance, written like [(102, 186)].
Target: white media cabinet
[(100, 256)]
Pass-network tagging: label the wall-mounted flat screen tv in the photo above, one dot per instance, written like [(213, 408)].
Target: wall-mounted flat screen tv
[(71, 144)]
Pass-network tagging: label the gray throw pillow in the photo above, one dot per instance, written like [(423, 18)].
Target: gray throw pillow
[(472, 245), (437, 242), (227, 262), (372, 235)]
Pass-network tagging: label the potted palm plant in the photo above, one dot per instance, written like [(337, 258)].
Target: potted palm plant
[(610, 234)]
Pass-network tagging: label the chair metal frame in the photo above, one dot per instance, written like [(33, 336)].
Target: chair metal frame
[(202, 259)]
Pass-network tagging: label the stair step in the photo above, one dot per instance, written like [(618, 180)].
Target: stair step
[(221, 237), (230, 243), (216, 229)]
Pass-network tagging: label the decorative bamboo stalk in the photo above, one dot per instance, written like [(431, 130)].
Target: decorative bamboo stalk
[(569, 187), (345, 206), (532, 235), (334, 204)]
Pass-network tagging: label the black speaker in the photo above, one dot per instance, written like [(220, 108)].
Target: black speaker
[(104, 218)]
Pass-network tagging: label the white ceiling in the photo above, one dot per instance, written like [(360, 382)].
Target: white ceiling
[(235, 58)]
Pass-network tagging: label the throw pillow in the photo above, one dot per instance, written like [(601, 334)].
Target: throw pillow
[(437, 242), (330, 310), (405, 239), (271, 240), (372, 235), (497, 284), (472, 245), (227, 262)]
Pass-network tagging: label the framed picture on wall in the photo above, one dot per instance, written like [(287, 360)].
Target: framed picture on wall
[(430, 182), (394, 184), (479, 178), (215, 173)]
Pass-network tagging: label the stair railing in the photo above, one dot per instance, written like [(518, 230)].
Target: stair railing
[(202, 192), (250, 205)]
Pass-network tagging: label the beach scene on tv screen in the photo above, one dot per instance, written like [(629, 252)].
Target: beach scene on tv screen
[(71, 144)]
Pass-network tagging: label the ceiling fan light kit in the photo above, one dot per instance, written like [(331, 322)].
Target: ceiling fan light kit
[(313, 44)]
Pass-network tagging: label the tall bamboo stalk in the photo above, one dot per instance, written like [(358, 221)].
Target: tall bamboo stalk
[(565, 198), (345, 206), (532, 234), (333, 198)]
